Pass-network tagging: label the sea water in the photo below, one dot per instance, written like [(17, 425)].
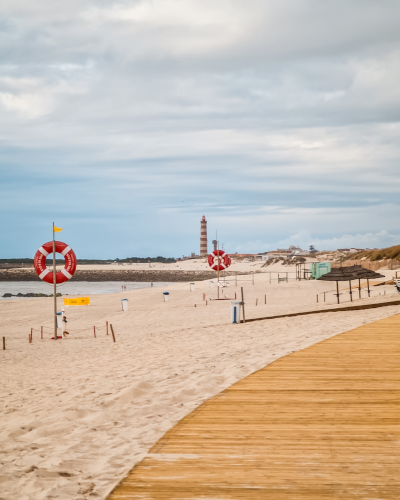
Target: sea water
[(72, 288)]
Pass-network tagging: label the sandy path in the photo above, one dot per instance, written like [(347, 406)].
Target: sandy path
[(77, 414)]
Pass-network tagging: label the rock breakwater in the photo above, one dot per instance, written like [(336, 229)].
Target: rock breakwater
[(122, 275)]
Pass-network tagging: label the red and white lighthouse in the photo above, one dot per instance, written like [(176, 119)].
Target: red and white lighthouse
[(203, 237)]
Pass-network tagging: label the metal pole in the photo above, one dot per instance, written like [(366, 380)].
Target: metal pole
[(54, 286), (244, 318)]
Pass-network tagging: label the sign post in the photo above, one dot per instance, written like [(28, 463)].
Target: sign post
[(54, 286)]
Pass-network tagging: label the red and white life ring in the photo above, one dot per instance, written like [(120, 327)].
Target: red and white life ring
[(219, 260), (62, 276)]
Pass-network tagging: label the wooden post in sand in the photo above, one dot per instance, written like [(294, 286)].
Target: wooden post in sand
[(112, 332), (4, 343), (256, 302), (236, 280), (29, 338), (253, 278), (94, 331), (324, 296), (244, 318), (265, 299), (107, 327), (41, 332), (351, 293), (317, 297)]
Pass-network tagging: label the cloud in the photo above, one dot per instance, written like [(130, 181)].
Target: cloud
[(276, 120)]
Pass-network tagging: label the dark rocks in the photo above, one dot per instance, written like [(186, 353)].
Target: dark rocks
[(30, 294), (122, 275)]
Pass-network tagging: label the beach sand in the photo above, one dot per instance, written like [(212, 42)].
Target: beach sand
[(78, 413)]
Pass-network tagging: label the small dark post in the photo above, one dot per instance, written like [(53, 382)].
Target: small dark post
[(256, 302), (317, 297), (265, 299), (359, 288), (244, 318), (94, 331), (351, 293), (4, 343), (337, 291), (112, 332), (253, 278), (41, 332), (368, 288), (107, 327), (324, 296)]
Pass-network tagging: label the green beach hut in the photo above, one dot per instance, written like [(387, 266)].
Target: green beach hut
[(318, 269)]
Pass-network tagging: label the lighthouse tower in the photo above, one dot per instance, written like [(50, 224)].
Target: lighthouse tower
[(203, 237)]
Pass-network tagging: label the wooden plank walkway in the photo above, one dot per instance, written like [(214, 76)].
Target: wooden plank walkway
[(322, 423)]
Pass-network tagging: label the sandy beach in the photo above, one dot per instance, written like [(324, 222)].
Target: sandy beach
[(78, 413)]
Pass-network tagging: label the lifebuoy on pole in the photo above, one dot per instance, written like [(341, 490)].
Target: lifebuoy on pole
[(218, 260), (62, 276)]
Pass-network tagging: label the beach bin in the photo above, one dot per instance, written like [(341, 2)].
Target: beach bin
[(59, 320), (124, 303), (211, 284), (235, 311), (166, 296), (191, 287)]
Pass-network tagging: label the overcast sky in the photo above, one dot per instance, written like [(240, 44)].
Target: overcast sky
[(125, 122)]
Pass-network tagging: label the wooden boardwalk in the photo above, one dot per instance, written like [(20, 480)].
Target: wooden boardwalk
[(322, 423)]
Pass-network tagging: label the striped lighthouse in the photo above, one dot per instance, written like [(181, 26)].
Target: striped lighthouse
[(203, 237)]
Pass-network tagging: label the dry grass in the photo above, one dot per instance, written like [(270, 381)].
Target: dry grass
[(373, 255)]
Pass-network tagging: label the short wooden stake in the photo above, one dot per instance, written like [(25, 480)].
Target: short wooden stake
[(107, 327), (324, 296), (317, 297), (195, 305), (206, 302), (29, 338), (4, 343), (112, 332), (253, 278), (41, 332), (204, 296), (94, 331), (256, 302), (265, 299)]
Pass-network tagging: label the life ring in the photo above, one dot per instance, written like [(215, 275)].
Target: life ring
[(219, 260), (62, 276)]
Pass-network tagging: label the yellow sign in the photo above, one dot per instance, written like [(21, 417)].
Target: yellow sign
[(81, 301)]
